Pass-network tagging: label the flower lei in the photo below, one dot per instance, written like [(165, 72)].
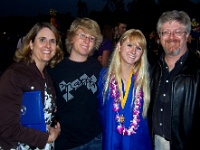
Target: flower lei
[(116, 108)]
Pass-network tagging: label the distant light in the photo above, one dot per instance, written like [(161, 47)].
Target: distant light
[(4, 32)]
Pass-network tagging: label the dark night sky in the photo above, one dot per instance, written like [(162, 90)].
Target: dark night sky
[(35, 7)]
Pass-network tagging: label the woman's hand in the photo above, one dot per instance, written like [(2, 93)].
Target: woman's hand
[(53, 132)]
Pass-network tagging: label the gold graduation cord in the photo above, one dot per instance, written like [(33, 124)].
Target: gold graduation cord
[(123, 101)]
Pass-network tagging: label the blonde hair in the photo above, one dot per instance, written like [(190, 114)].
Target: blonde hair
[(140, 68), (87, 25)]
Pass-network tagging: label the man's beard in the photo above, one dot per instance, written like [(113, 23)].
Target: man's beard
[(174, 52), (172, 47)]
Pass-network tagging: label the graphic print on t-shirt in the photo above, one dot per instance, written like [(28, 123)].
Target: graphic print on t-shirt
[(84, 80)]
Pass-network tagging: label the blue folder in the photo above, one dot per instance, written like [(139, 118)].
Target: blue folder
[(32, 114)]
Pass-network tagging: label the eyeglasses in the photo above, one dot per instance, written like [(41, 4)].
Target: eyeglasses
[(84, 37), (167, 33)]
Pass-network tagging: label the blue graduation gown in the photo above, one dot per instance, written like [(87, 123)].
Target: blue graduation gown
[(112, 140)]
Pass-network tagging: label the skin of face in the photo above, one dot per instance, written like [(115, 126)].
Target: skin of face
[(174, 45), (129, 52), (81, 47), (43, 47), (122, 28)]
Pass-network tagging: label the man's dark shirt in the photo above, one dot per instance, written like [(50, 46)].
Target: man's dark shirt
[(162, 107)]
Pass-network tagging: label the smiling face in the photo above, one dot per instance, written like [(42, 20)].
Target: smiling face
[(82, 45), (43, 47), (130, 52), (173, 38)]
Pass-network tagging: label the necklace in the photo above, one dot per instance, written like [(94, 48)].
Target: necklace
[(115, 94)]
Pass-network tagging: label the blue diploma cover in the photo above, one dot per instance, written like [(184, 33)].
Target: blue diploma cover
[(32, 114)]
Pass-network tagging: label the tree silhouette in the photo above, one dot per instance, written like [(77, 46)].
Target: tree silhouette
[(112, 11), (82, 9)]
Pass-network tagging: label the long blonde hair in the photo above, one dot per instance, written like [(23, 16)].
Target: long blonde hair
[(140, 68)]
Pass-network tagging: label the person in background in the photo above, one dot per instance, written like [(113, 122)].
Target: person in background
[(153, 48), (20, 41), (124, 95), (119, 29), (106, 47), (75, 80), (41, 47), (21, 36), (175, 85)]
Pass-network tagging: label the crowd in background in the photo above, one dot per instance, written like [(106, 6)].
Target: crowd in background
[(9, 42)]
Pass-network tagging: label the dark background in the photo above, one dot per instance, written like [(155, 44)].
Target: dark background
[(140, 14)]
